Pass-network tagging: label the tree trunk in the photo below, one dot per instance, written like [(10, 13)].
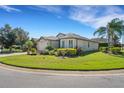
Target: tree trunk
[(108, 37)]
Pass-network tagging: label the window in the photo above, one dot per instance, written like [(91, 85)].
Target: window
[(63, 44), (70, 43), (88, 44)]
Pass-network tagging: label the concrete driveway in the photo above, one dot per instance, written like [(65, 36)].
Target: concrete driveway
[(10, 78)]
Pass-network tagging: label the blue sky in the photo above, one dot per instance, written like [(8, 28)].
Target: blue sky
[(50, 20)]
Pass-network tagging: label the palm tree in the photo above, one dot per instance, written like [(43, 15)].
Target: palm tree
[(112, 31), (29, 45)]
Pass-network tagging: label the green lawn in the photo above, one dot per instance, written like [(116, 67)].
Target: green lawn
[(93, 61)]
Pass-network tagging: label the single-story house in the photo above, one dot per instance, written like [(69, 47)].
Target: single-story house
[(69, 40)]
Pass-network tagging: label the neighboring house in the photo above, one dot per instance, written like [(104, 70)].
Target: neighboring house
[(69, 40)]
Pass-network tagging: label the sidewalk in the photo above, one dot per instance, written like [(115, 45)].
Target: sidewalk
[(11, 54)]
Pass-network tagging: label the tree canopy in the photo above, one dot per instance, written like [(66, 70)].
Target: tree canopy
[(12, 36), (113, 31)]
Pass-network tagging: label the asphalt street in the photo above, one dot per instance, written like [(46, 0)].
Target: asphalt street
[(20, 79)]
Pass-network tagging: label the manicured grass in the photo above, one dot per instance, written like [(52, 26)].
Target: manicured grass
[(93, 61)]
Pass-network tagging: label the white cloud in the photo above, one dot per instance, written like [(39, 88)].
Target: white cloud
[(9, 9), (95, 16), (50, 8)]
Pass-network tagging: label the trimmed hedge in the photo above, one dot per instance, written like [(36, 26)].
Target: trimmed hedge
[(115, 50), (66, 52), (51, 52), (103, 49)]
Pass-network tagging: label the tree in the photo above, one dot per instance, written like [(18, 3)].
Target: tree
[(10, 36), (34, 40), (22, 36), (112, 31), (7, 36), (29, 45)]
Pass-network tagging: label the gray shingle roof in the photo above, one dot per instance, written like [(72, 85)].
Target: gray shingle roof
[(51, 38), (72, 35), (69, 35)]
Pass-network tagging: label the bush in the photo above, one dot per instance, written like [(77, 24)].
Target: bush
[(103, 49), (51, 52), (5, 50), (46, 52), (115, 50), (67, 51), (79, 51), (103, 44), (33, 51), (16, 46), (56, 53), (49, 48)]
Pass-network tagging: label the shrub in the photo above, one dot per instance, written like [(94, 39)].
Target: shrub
[(16, 46), (79, 51), (49, 48), (67, 51), (33, 51), (123, 53), (46, 52), (115, 50), (5, 50), (56, 53), (103, 49), (71, 52), (51, 52), (103, 44)]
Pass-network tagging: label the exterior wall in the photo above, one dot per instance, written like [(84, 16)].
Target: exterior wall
[(82, 44), (42, 44), (87, 45), (54, 44), (93, 46), (67, 43)]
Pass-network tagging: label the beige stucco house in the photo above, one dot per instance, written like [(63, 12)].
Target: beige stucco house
[(69, 40)]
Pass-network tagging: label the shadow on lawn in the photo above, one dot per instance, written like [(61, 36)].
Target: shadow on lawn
[(121, 56), (88, 53)]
